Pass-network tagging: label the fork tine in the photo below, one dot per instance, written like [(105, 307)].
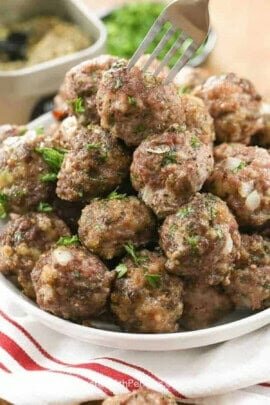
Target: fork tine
[(159, 47), (152, 33), (191, 49), (177, 45)]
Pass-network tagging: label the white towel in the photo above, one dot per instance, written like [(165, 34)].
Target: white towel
[(41, 367)]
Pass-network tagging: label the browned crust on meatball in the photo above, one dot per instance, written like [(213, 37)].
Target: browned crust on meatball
[(241, 177), (201, 240), (134, 105), (168, 169), (23, 240), (82, 81), (71, 283), (107, 225), (204, 305), (234, 104), (94, 166), (140, 397)]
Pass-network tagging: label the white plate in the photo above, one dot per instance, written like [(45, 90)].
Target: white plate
[(237, 324)]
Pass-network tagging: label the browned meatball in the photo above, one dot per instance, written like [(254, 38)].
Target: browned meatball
[(204, 305), (250, 282), (71, 283), (168, 169), (234, 104), (94, 166), (77, 95), (145, 298), (241, 177), (140, 397), (189, 77), (21, 169), (134, 105), (8, 130), (107, 225), (23, 240), (201, 240)]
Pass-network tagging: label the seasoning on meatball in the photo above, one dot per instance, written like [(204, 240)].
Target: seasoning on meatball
[(94, 166), (145, 298), (168, 169), (234, 104), (134, 105), (71, 283), (140, 397), (23, 240), (189, 77), (204, 305), (107, 225), (201, 240), (21, 171), (77, 95), (8, 130), (250, 281), (241, 177)]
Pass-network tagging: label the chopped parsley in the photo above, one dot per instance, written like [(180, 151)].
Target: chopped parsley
[(184, 212), (118, 84), (195, 143), (153, 279), (100, 148), (140, 128), (52, 156), (68, 240), (132, 100), (183, 89), (40, 130), (172, 229), (241, 166), (114, 195), (78, 105), (22, 131), (3, 205), (48, 177), (131, 250), (169, 157), (44, 207), (192, 241), (121, 270), (93, 146)]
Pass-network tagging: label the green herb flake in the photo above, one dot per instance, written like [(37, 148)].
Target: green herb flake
[(44, 207), (169, 158), (153, 279), (195, 143), (114, 195), (52, 156), (241, 166), (183, 90), (132, 100), (131, 250), (184, 212), (98, 147), (3, 205), (118, 84), (22, 131), (193, 241), (121, 270), (48, 177), (78, 105), (68, 240), (140, 129), (172, 229), (93, 146), (39, 130)]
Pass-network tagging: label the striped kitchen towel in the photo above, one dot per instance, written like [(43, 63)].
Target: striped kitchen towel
[(41, 367)]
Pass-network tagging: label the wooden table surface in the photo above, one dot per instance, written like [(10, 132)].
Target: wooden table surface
[(243, 45)]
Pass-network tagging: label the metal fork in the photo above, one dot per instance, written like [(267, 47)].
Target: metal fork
[(189, 21)]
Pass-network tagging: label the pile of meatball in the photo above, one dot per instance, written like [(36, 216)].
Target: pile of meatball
[(143, 203)]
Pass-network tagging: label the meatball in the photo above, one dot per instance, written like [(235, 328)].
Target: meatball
[(140, 397), (134, 105), (204, 305), (145, 298), (168, 169), (77, 95), (21, 170), (71, 283), (241, 177), (23, 240), (189, 77), (94, 166), (107, 225), (8, 130), (250, 282), (201, 240), (235, 106)]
